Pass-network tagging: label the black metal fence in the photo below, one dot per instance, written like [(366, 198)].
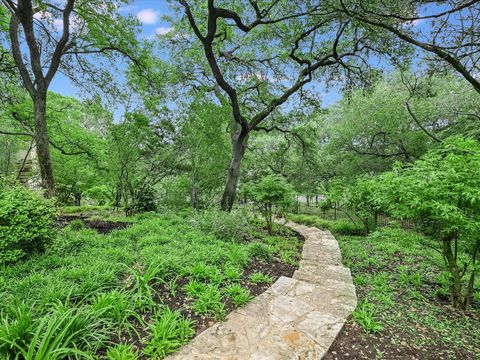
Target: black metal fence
[(310, 205)]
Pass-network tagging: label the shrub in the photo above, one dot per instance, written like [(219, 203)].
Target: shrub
[(223, 225), (26, 221), (76, 225), (146, 200), (344, 227)]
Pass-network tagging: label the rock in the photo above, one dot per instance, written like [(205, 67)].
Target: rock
[(296, 318)]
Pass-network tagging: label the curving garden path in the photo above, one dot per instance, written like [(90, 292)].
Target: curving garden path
[(296, 318)]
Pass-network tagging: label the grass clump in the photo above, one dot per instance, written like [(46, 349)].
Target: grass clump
[(210, 302), (239, 295), (258, 278), (122, 352), (170, 331)]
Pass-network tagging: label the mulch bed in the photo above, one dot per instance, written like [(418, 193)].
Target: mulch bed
[(100, 226), (181, 302), (393, 343), (402, 340)]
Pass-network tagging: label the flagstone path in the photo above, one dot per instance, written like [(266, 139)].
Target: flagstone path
[(296, 318)]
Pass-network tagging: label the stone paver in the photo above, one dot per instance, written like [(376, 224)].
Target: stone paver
[(295, 319)]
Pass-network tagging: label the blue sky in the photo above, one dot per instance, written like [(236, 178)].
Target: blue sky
[(150, 13)]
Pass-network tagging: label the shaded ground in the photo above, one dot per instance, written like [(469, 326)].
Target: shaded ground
[(399, 279), (179, 300), (100, 226)]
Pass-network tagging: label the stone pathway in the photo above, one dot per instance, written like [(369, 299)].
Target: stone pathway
[(296, 318)]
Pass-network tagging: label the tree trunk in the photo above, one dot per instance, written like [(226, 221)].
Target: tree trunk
[(78, 199), (239, 144), (42, 144), (456, 286)]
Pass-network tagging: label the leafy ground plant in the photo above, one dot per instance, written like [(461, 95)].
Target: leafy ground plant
[(239, 295), (258, 277), (404, 303), (170, 331), (121, 279)]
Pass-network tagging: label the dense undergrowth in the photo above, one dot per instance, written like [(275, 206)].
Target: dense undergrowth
[(86, 286), (403, 291)]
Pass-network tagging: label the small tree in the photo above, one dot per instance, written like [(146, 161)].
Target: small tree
[(442, 190), (361, 198), (271, 193)]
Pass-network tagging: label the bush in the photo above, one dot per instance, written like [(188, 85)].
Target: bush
[(223, 225), (26, 221)]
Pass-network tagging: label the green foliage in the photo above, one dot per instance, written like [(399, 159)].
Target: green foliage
[(122, 352), (401, 273), (142, 290), (364, 315), (119, 307), (194, 288), (238, 294), (234, 225), (115, 277), (260, 251), (258, 278), (442, 191), (342, 227), (271, 191), (362, 200), (26, 221), (145, 201), (16, 329), (64, 332), (76, 225), (169, 331), (232, 273), (209, 302)]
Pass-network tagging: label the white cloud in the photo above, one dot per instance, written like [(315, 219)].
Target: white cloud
[(162, 30), (127, 8), (58, 23), (148, 16)]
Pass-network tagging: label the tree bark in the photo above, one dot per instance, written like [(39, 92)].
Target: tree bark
[(42, 144), (239, 144), (456, 286)]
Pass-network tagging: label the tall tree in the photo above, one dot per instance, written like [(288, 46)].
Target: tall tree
[(261, 55), (449, 30), (52, 38)]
